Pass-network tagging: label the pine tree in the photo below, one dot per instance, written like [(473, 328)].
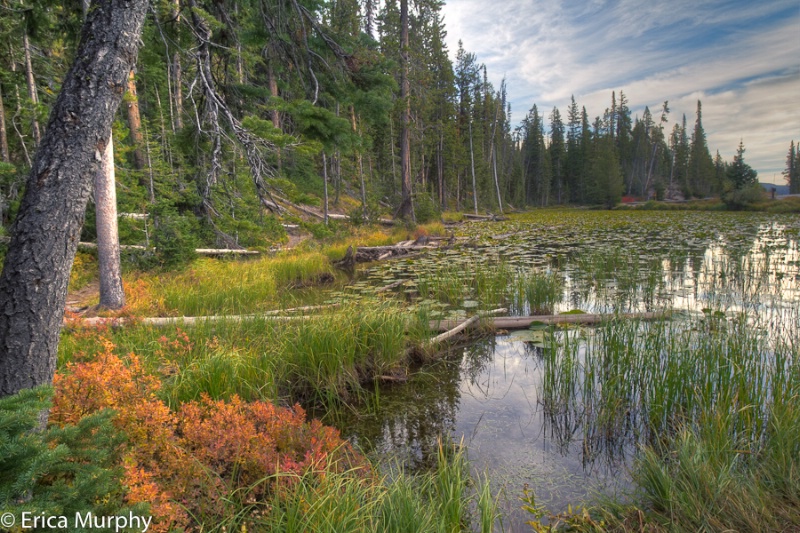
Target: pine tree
[(604, 174), (700, 166), (792, 172), (740, 174), (557, 156)]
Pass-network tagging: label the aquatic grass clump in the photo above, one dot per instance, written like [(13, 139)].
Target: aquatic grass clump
[(299, 269), (709, 477), (454, 283), (325, 357), (638, 380), (537, 293)]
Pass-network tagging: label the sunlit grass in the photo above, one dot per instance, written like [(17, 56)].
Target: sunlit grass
[(210, 286), (320, 359)]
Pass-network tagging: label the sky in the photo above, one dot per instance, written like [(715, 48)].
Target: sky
[(740, 58)]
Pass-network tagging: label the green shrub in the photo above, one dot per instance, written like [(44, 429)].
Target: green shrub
[(426, 208), (745, 197), (174, 239)]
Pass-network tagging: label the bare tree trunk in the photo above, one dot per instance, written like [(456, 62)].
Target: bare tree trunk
[(34, 97), (369, 16), (33, 284), (440, 170), (3, 134), (391, 145), (360, 162), (112, 295), (493, 158), (176, 74), (406, 205), (276, 115), (496, 181), (325, 186), (135, 122), (17, 114), (472, 159)]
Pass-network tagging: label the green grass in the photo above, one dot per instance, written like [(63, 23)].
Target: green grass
[(538, 292), (321, 359), (439, 500), (211, 287), (707, 477)]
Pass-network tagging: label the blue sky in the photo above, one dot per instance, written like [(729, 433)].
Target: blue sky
[(740, 58)]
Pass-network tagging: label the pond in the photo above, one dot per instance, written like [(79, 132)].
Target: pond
[(562, 411)]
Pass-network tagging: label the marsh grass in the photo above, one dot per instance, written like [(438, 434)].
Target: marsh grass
[(708, 477), (649, 376), (453, 283), (537, 293), (437, 500), (321, 359), (211, 286), (706, 406)]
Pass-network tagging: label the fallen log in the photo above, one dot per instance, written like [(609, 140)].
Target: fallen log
[(198, 251), (174, 320), (369, 254), (391, 285), (461, 327), (277, 315), (522, 322), (224, 251)]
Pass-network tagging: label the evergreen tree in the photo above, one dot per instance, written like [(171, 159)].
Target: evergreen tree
[(792, 172), (557, 156), (740, 174), (536, 160), (605, 176), (700, 166)]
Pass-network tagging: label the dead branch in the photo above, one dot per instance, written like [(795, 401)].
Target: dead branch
[(462, 326)]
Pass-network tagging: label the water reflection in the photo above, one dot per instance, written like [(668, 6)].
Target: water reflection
[(563, 415), (487, 396)]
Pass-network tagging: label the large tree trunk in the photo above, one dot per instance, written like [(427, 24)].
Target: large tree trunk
[(33, 284), (112, 295), (406, 206)]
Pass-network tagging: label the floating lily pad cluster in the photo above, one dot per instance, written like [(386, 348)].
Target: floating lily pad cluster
[(598, 262)]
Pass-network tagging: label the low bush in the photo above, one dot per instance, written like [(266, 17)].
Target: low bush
[(188, 463)]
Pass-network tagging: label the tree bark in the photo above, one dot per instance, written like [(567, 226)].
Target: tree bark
[(135, 124), (472, 159), (112, 295), (406, 206), (33, 284), (3, 133), (178, 88), (325, 186), (26, 46)]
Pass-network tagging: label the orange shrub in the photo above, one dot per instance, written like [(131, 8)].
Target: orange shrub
[(188, 463)]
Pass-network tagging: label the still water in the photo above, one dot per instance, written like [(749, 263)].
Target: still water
[(490, 395)]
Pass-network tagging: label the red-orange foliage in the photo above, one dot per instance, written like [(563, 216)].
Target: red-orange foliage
[(187, 463)]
